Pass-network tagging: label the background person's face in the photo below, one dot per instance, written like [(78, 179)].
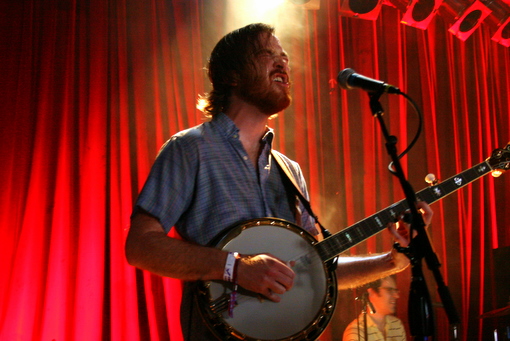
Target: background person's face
[(385, 300)]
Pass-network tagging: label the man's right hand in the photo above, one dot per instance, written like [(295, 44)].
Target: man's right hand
[(265, 275)]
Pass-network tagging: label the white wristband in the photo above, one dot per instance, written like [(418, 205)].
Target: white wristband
[(228, 273)]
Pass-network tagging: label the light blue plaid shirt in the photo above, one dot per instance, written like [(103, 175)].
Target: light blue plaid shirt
[(203, 182)]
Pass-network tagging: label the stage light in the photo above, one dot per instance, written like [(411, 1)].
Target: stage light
[(307, 4), (420, 13), (361, 9), (502, 35), (469, 20)]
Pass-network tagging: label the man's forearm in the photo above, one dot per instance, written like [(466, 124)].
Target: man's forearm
[(356, 271), (149, 248)]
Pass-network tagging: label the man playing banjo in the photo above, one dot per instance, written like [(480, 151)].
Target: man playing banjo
[(208, 178)]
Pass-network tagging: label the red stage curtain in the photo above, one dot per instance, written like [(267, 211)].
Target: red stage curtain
[(91, 89)]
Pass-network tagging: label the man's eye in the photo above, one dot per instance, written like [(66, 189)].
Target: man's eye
[(265, 53)]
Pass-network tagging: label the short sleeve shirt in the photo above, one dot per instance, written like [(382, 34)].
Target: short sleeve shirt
[(394, 329), (203, 182)]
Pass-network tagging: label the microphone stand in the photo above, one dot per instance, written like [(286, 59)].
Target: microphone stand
[(421, 319), (365, 302)]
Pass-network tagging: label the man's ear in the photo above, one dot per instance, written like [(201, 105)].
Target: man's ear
[(232, 79), (371, 292)]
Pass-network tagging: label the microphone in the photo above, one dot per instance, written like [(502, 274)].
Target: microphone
[(366, 301), (349, 79)]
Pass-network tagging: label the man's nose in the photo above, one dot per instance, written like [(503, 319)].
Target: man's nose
[(281, 63)]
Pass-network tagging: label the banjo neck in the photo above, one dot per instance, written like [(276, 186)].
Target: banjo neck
[(355, 234)]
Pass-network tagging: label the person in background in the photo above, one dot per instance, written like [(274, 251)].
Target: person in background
[(381, 298)]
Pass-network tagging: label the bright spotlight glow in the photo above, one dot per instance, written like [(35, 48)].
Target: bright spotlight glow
[(244, 12), (281, 14)]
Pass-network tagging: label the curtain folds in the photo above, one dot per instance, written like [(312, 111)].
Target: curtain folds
[(90, 90)]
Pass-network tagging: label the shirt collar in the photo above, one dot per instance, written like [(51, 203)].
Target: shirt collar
[(268, 136), (228, 128), (225, 125)]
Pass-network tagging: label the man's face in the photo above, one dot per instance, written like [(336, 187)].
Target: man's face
[(267, 84), (385, 301)]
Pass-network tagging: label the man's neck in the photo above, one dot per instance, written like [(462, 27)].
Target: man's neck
[(252, 125), (380, 321), (248, 118)]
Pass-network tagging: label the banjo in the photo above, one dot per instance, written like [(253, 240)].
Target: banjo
[(304, 311)]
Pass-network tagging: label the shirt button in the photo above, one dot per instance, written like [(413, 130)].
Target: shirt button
[(236, 136), (245, 157)]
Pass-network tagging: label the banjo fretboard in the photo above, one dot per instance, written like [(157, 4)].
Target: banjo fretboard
[(355, 234)]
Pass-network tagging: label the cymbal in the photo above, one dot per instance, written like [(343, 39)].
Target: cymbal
[(495, 313)]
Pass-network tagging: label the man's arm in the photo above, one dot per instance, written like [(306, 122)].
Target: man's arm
[(149, 248), (356, 271)]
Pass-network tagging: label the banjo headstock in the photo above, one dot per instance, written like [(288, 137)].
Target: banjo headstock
[(499, 161)]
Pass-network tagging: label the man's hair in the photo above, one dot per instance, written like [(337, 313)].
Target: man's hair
[(375, 285), (230, 59)]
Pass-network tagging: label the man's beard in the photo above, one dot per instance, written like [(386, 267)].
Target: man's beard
[(264, 96)]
